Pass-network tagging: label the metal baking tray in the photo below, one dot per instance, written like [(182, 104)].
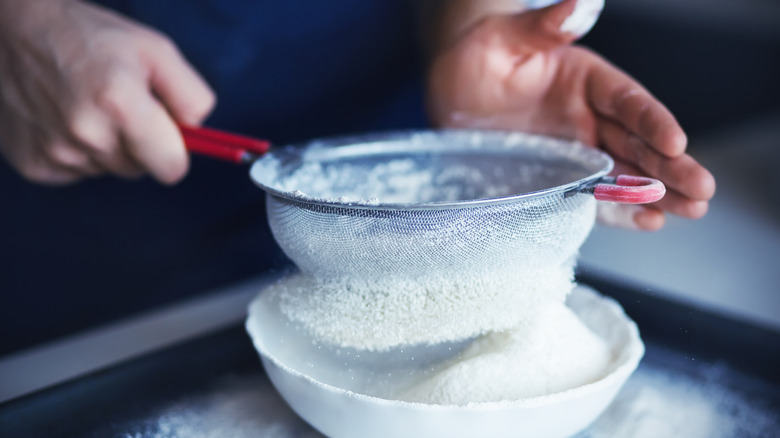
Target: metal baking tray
[(703, 375)]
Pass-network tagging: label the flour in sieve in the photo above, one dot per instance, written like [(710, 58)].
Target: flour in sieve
[(378, 314), (406, 181)]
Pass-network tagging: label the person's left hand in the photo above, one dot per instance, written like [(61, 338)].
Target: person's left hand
[(519, 72)]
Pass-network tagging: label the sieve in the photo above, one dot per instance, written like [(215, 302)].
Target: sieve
[(414, 203)]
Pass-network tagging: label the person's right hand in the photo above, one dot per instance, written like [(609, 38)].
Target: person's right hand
[(85, 92)]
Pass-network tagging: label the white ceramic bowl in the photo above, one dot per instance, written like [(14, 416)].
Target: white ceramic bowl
[(338, 412)]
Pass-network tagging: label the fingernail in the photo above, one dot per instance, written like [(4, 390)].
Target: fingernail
[(585, 15)]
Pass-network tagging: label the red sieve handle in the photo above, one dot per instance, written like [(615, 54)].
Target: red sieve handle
[(629, 189), (223, 145)]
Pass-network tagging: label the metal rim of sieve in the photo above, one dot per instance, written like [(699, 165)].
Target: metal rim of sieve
[(282, 161)]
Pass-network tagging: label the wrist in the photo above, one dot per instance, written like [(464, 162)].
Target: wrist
[(456, 17)]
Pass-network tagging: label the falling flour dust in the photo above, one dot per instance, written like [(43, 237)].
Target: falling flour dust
[(526, 341), (379, 314)]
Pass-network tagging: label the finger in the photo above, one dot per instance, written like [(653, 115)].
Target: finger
[(40, 169), (616, 96), (181, 89), (672, 202), (153, 140), (145, 128), (632, 217), (122, 164), (649, 218), (54, 176), (65, 155), (556, 25), (683, 206), (582, 19), (681, 173), (99, 141)]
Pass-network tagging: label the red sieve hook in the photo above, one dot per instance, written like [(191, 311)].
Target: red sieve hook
[(629, 189)]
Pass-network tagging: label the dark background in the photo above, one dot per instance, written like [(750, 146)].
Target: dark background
[(713, 64)]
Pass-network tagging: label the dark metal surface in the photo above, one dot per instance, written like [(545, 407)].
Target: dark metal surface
[(118, 400)]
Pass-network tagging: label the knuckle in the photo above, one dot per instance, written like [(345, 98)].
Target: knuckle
[(119, 164), (113, 98), (164, 43), (623, 97), (552, 29), (67, 156), (645, 116), (159, 41), (89, 130), (488, 31), (637, 148)]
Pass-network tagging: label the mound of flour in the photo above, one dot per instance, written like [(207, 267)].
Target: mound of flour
[(379, 314), (552, 351)]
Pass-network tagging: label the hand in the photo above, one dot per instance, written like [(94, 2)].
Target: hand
[(87, 92), (518, 72)]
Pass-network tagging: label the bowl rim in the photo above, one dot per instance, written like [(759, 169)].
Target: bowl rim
[(627, 361)]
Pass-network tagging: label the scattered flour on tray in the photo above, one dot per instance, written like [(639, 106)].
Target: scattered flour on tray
[(235, 408), (659, 403), (654, 403)]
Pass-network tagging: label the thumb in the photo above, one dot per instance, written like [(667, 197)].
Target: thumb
[(555, 25)]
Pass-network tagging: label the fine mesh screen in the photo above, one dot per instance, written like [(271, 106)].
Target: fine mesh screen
[(326, 240), (410, 239), (444, 202)]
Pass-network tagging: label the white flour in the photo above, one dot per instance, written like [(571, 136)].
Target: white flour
[(378, 314), (654, 403), (500, 271), (402, 181), (552, 351), (658, 403), (238, 408)]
